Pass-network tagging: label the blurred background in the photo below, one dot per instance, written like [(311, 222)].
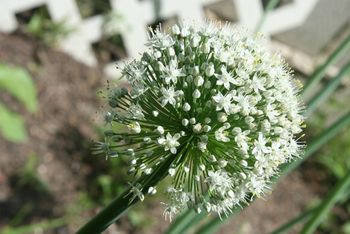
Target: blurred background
[(57, 55)]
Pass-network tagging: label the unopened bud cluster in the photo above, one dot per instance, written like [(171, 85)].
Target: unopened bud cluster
[(212, 105)]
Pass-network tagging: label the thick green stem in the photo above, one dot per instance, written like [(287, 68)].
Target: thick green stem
[(119, 205), (109, 214)]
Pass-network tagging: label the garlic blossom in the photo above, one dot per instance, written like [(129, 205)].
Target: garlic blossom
[(209, 107)]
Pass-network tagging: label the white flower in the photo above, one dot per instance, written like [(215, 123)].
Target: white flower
[(222, 117), (260, 145), (160, 130), (210, 70), (185, 122), (169, 95), (243, 102), (221, 135), (171, 171), (225, 78), (170, 142), (135, 127), (136, 190), (186, 107), (258, 84), (136, 112), (219, 181), (196, 93), (172, 72), (134, 72), (160, 40), (170, 211), (198, 81), (241, 138), (223, 102), (256, 185), (175, 30), (152, 190)]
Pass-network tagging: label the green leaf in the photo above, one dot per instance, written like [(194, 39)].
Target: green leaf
[(18, 83), (291, 223), (333, 197), (324, 93), (12, 126), (304, 216), (35, 24), (181, 221), (185, 221), (318, 74)]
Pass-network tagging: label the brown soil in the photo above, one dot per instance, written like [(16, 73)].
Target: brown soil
[(59, 134)]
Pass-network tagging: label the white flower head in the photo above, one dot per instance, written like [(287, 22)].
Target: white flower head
[(210, 108)]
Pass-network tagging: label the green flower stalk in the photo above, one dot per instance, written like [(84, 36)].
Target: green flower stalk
[(215, 106)]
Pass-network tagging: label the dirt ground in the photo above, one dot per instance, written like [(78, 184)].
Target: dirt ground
[(60, 132)]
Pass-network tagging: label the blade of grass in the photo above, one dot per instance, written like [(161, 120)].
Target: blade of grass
[(298, 219), (316, 144), (321, 70), (327, 205), (305, 216), (33, 228), (321, 96), (269, 7)]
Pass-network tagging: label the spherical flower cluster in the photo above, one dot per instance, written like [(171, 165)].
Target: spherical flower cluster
[(211, 106)]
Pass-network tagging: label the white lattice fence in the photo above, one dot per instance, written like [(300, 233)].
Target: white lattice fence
[(139, 14)]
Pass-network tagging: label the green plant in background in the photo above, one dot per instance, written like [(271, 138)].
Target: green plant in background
[(333, 158), (18, 83), (93, 7), (42, 27), (29, 175), (34, 228), (29, 181), (113, 23)]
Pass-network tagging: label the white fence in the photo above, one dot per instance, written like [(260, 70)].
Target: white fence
[(138, 14)]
